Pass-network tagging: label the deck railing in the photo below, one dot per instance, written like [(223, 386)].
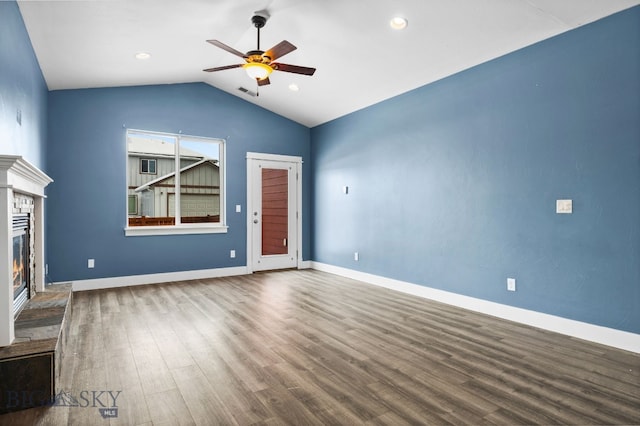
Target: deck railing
[(168, 221)]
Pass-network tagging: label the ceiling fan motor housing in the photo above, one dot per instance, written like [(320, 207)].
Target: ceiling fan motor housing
[(260, 18), (257, 56)]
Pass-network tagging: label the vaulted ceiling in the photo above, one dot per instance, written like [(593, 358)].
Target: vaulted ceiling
[(360, 59)]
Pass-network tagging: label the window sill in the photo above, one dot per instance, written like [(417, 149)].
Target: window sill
[(185, 229)]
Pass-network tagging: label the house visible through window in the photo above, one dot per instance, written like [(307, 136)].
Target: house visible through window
[(174, 181), (148, 166)]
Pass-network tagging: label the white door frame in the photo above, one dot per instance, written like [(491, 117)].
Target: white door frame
[(297, 162)]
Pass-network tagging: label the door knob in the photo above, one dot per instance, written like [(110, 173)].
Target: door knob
[(255, 220)]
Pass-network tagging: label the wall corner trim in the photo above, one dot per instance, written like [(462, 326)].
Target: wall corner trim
[(132, 280), (603, 335)]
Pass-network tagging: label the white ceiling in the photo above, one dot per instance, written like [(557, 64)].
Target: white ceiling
[(360, 60)]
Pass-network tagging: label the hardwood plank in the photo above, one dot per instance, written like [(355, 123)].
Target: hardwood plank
[(122, 376), (152, 370), (169, 408), (132, 405), (284, 408), (200, 397), (303, 388), (245, 407)]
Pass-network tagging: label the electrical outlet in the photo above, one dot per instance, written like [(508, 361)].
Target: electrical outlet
[(91, 263), (356, 256), (511, 284), (232, 254), (238, 208), (564, 206)]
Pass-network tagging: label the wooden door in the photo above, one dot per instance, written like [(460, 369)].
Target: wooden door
[(273, 218)]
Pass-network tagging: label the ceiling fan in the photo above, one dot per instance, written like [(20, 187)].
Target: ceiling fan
[(259, 64)]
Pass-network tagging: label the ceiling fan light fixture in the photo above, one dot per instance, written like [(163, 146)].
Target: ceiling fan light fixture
[(398, 23), (257, 70)]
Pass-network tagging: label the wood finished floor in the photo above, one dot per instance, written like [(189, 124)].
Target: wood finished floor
[(306, 347)]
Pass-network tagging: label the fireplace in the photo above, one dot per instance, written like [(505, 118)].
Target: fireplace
[(21, 239), (21, 267)]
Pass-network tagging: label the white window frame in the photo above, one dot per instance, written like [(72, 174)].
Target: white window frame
[(149, 160), (181, 228)]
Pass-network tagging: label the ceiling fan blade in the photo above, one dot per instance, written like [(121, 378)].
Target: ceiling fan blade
[(223, 46), (296, 69), (264, 82), (226, 67), (280, 50)]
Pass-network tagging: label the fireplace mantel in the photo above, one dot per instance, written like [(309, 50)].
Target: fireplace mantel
[(18, 176)]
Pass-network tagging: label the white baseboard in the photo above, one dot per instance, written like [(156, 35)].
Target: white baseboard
[(112, 282), (305, 264), (594, 333)]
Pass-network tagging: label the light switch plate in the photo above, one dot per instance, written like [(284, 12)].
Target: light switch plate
[(564, 206), (238, 208)]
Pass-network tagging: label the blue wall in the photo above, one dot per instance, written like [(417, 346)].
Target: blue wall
[(22, 88), (87, 156), (453, 185)]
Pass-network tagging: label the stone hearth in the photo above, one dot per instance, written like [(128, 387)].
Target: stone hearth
[(30, 366)]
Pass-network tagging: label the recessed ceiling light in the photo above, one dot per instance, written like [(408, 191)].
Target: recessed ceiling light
[(398, 23), (294, 87), (143, 55)]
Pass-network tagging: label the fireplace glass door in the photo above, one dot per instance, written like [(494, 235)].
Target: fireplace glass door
[(20, 261)]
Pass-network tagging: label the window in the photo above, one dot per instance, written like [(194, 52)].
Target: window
[(133, 205), (175, 184), (148, 166)]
